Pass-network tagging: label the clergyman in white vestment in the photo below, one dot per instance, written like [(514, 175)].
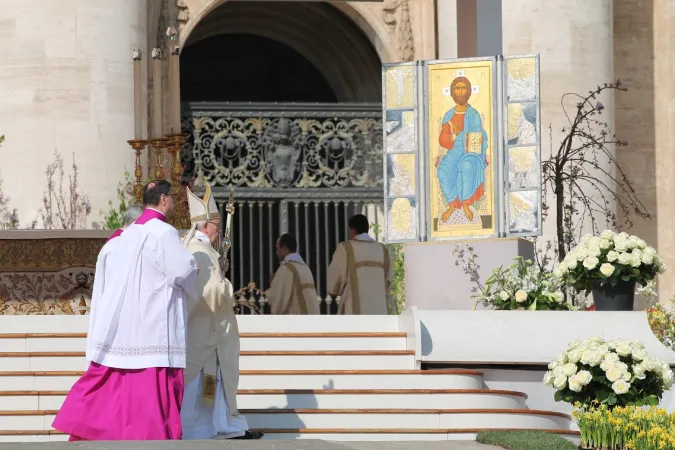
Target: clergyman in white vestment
[(132, 213), (212, 373), (361, 272), (292, 289), (133, 387)]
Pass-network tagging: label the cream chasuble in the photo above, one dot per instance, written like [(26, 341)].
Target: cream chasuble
[(360, 273), (213, 335), (140, 317), (292, 290)]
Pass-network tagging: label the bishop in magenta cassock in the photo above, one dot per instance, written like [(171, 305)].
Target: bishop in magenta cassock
[(212, 372), (132, 213), (133, 387)]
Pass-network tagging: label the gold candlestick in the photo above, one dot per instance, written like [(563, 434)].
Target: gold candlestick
[(159, 144), (181, 216), (138, 145)]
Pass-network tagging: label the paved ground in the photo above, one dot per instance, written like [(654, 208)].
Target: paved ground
[(250, 445)]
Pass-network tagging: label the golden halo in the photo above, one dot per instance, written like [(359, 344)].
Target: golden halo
[(447, 82)]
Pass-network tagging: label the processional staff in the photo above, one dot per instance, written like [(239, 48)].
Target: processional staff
[(227, 239)]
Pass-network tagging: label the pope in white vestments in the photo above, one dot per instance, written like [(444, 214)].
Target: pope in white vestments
[(361, 272), (292, 289), (212, 373), (133, 388)]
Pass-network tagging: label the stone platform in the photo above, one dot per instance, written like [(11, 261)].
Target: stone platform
[(247, 445)]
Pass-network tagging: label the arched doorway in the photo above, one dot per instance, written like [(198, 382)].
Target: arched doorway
[(282, 101)]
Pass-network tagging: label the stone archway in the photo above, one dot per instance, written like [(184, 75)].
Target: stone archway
[(319, 32), (192, 12)]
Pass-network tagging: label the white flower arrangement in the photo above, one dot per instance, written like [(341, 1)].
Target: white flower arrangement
[(608, 259), (523, 286), (615, 373)]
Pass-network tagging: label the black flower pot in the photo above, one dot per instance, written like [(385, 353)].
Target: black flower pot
[(614, 298)]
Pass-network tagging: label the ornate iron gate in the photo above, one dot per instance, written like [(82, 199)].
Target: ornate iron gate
[(298, 168)]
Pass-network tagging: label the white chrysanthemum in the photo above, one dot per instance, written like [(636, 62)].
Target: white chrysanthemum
[(521, 296), (620, 387), (591, 357), (560, 382), (624, 348), (639, 372), (612, 256), (667, 378), (639, 353), (584, 377), (569, 369), (591, 262), (594, 242), (561, 270), (607, 234), (574, 356), (548, 378), (624, 258), (607, 269), (574, 384), (595, 251), (649, 363), (621, 245), (605, 244)]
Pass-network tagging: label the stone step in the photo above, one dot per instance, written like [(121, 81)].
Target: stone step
[(282, 379), (318, 398)]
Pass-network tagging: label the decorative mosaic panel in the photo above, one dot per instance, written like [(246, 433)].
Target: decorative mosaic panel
[(401, 151), (523, 212), (401, 219), (522, 129)]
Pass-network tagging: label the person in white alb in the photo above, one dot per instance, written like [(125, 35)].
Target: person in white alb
[(133, 387), (212, 373), (292, 289), (360, 272)]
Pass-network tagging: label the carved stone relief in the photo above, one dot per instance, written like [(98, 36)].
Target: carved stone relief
[(396, 15), (183, 12)]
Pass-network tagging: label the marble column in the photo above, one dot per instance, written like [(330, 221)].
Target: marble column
[(574, 40), (661, 174), (66, 75)]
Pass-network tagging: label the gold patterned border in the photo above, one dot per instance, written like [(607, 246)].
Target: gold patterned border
[(36, 255)]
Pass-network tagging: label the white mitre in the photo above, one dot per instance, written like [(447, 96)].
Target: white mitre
[(202, 209)]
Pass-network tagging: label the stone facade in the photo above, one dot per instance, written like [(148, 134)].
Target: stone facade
[(66, 79), (66, 76)]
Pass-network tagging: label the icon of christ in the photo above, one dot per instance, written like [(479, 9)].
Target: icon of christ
[(461, 171)]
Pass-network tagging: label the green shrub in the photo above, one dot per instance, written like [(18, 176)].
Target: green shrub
[(525, 440)]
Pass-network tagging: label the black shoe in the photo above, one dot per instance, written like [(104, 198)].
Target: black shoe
[(251, 435)]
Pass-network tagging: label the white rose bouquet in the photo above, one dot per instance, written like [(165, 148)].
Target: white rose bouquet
[(614, 373), (609, 259), (522, 286)]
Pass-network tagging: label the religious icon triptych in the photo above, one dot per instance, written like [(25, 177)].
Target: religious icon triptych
[(462, 149)]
